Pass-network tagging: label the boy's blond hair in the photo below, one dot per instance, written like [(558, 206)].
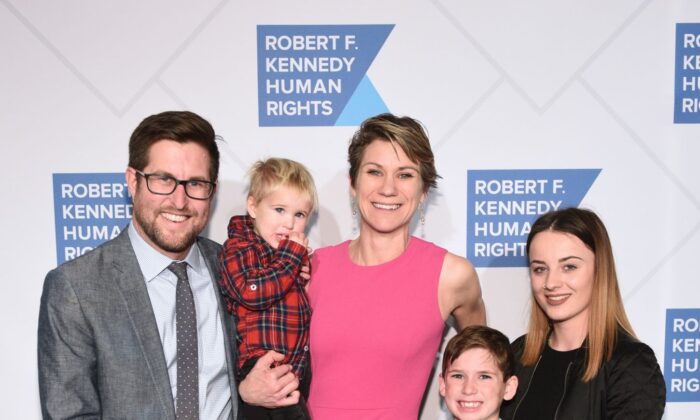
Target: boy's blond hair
[(268, 175)]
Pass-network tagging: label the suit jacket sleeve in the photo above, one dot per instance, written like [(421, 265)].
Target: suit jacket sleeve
[(66, 354), (636, 386)]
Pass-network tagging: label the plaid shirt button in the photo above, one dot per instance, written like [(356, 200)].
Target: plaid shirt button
[(253, 287)]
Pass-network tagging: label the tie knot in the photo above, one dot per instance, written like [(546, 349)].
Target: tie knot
[(180, 269)]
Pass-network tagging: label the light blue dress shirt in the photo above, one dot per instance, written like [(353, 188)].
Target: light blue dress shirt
[(214, 388)]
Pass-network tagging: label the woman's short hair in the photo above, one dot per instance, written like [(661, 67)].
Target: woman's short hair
[(406, 132), (607, 312)]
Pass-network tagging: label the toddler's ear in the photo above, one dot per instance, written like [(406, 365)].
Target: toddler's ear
[(511, 387), (250, 206), (441, 382)]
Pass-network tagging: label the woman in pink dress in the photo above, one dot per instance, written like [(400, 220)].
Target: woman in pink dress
[(380, 301)]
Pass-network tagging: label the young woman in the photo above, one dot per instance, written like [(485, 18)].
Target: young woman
[(380, 301), (580, 358)]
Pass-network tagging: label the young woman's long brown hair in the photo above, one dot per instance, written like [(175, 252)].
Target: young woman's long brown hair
[(607, 312)]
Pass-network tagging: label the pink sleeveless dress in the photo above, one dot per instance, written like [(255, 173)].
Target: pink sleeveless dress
[(375, 333)]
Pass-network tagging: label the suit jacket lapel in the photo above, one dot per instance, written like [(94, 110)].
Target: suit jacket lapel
[(130, 280), (210, 250)]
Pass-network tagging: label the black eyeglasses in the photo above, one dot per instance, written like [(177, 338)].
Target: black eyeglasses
[(165, 185)]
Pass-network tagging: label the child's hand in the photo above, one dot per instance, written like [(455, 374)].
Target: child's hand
[(299, 238), (304, 272)]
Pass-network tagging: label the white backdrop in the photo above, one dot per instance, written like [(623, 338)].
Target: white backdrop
[(543, 84)]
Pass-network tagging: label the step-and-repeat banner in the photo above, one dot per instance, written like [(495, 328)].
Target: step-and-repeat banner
[(530, 105)]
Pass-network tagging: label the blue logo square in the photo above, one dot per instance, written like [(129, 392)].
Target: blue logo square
[(687, 85), (682, 354), (89, 209)]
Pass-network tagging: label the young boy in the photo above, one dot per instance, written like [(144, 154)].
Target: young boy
[(477, 373), (262, 277)]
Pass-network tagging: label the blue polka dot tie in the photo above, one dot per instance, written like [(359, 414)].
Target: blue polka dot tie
[(187, 403)]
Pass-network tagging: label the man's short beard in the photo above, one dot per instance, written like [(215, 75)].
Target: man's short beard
[(154, 234)]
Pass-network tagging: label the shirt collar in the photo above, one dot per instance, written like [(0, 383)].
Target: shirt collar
[(152, 262)]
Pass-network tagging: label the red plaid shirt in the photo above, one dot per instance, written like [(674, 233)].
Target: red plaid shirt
[(265, 293)]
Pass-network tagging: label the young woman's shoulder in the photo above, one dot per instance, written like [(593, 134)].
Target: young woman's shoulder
[(631, 353), (635, 385), (518, 344)]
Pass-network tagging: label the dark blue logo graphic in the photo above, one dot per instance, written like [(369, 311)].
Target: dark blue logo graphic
[(687, 103), (89, 209), (681, 355), (315, 75), (503, 204)]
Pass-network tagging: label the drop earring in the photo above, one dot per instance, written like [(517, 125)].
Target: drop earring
[(354, 218), (421, 216)]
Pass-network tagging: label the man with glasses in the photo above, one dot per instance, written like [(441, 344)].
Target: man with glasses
[(116, 323)]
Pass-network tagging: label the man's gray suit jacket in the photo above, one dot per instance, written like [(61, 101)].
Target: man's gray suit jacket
[(100, 355)]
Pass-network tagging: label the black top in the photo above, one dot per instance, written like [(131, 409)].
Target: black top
[(628, 386), (547, 386)]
